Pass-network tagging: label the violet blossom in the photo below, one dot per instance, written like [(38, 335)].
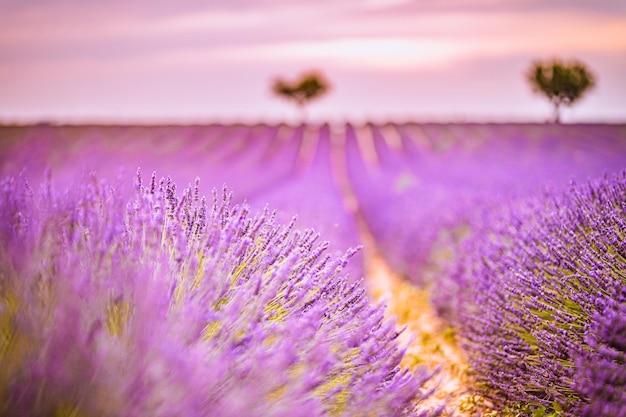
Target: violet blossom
[(287, 167), (169, 306), (542, 300), (418, 183)]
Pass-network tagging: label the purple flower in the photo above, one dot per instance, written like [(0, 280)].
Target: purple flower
[(170, 306), (289, 168), (417, 183), (601, 370), (542, 299)]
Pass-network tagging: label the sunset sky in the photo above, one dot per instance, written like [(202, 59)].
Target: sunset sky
[(192, 60)]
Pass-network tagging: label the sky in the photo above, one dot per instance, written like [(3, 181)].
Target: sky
[(387, 60)]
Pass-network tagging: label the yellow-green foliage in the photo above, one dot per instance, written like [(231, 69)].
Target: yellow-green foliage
[(117, 316)]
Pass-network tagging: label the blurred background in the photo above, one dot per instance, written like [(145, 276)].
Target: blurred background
[(401, 60)]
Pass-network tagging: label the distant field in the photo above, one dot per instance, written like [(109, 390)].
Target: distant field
[(398, 178)]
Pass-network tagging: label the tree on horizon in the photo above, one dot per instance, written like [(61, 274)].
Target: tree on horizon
[(563, 83), (309, 86)]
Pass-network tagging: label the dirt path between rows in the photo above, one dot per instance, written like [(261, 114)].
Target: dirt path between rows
[(428, 340)]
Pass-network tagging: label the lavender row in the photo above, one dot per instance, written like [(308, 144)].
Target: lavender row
[(416, 184), (538, 291), (286, 167), (169, 306)]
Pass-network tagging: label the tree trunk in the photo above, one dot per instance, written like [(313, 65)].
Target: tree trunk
[(557, 111), (303, 113)]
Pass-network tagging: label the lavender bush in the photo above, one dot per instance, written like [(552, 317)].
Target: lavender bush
[(542, 295), (601, 371), (167, 306), (288, 167), (313, 194), (416, 192)]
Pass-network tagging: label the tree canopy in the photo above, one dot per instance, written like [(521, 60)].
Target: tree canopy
[(563, 83), (310, 85)]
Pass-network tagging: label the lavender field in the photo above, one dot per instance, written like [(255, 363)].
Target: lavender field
[(269, 270)]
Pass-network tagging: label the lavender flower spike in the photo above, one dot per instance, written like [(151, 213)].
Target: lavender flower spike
[(544, 311), (169, 306)]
